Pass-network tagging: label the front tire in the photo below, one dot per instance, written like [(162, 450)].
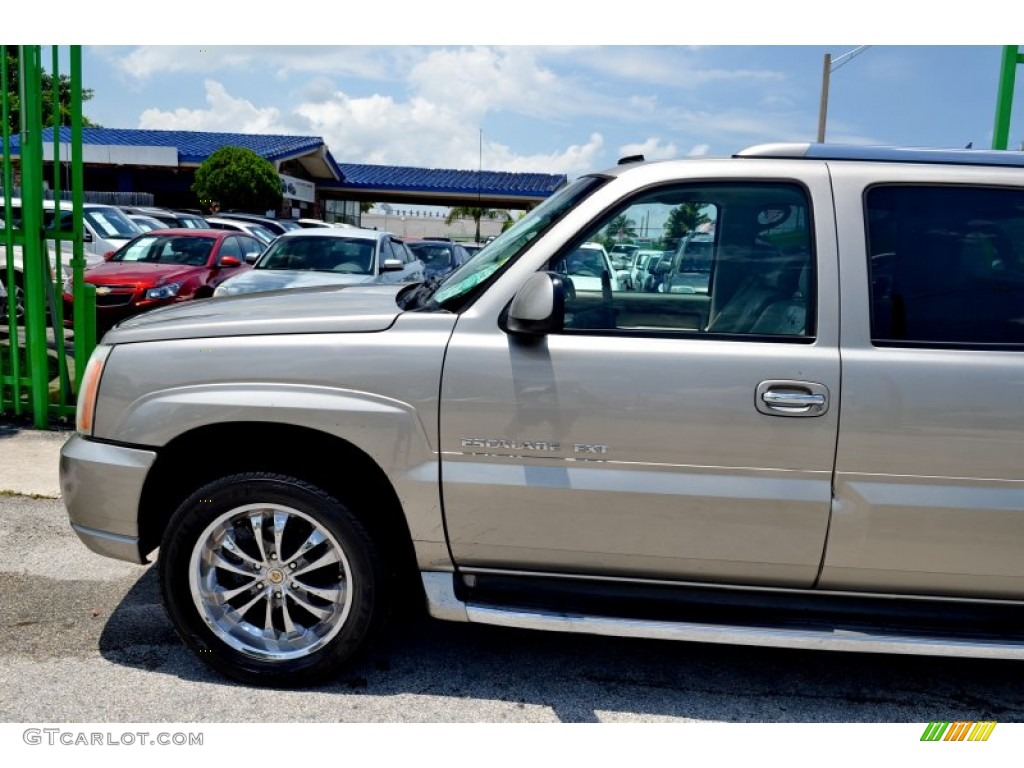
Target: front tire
[(271, 580)]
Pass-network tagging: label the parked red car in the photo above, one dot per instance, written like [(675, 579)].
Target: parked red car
[(164, 266)]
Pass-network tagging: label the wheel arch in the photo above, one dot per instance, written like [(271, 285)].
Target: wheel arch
[(205, 453)]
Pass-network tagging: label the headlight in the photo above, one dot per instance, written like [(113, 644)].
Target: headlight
[(90, 389), (222, 290), (168, 291)]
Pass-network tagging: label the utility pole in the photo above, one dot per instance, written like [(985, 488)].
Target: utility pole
[(829, 67), (823, 108)]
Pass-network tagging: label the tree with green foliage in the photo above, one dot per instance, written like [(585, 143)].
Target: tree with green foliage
[(682, 220), (63, 92), (618, 229), (476, 214), (236, 178)]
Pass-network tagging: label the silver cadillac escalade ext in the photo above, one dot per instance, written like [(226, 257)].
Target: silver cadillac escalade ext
[(822, 448)]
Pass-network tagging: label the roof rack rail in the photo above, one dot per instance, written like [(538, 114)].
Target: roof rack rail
[(862, 152)]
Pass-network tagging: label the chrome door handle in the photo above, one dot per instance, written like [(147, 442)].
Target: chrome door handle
[(791, 398)]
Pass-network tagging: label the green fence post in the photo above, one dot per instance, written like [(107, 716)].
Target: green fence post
[(83, 294), (1004, 97), (11, 381), (36, 264)]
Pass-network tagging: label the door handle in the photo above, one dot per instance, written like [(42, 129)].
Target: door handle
[(791, 398)]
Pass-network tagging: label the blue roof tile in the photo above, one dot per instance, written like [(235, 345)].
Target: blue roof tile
[(440, 180), (196, 146)]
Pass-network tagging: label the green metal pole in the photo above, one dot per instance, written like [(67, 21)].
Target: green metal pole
[(14, 362), (1004, 97), (52, 298), (34, 249), (54, 293), (83, 294)]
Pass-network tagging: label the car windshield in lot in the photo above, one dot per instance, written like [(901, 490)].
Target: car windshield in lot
[(433, 254), (107, 221), (110, 222), (167, 249), (262, 234), (347, 255)]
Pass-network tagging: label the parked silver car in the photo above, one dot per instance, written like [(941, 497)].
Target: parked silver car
[(823, 450), (317, 256)]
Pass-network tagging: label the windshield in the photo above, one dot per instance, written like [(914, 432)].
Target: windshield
[(108, 222), (586, 260), (111, 223), (432, 254), (463, 284), (262, 234), (167, 249), (313, 253)]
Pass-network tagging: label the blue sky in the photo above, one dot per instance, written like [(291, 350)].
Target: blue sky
[(532, 105)]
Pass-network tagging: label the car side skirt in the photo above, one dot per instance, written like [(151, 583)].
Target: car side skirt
[(828, 621)]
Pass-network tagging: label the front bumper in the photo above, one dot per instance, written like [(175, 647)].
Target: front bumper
[(101, 485)]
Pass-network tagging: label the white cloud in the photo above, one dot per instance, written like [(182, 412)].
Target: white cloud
[(481, 80), (670, 66), (144, 62), (573, 161), (652, 149), (450, 93), (225, 113), (421, 132)]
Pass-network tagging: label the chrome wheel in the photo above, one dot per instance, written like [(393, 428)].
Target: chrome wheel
[(270, 581)]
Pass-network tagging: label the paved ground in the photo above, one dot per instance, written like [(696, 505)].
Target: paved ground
[(30, 460)]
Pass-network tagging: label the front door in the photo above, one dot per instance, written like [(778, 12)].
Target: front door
[(676, 436)]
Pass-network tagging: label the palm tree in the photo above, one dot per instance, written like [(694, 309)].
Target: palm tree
[(471, 213), (620, 228)]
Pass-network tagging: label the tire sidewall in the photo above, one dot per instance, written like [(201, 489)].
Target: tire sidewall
[(194, 516)]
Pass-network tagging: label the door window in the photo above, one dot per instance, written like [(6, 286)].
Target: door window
[(732, 261), (946, 265)]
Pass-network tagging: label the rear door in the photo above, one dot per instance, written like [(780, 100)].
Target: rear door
[(930, 466), (665, 436)]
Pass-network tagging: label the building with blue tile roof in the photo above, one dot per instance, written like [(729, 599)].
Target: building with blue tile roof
[(163, 163)]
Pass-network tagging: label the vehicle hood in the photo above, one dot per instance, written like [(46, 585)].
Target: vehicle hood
[(354, 309), (135, 273), (278, 279)]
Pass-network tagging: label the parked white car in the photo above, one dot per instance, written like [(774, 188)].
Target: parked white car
[(105, 228), (587, 266), (316, 256), (258, 231)]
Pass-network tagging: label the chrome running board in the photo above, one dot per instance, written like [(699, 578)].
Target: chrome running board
[(444, 604)]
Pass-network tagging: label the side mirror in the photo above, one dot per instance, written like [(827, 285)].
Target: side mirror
[(539, 306), (251, 256), (228, 261), (391, 265)]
